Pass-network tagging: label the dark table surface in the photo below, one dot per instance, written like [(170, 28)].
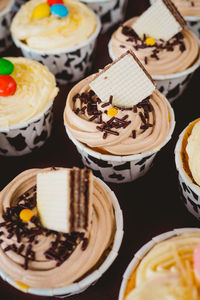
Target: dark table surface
[(151, 205)]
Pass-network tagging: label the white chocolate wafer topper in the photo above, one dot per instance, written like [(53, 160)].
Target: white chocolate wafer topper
[(125, 80), (162, 20), (64, 199)]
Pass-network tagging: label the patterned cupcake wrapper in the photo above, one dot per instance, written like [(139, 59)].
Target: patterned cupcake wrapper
[(91, 279), (140, 254), (67, 65), (111, 12), (23, 139), (189, 192), (5, 21), (173, 85), (119, 169)]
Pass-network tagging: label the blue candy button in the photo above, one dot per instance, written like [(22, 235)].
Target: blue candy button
[(60, 10)]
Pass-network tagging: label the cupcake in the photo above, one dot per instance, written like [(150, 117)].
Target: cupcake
[(61, 36), (117, 136), (27, 93), (170, 54), (191, 12), (187, 164), (110, 12), (46, 262), (5, 21), (165, 268)]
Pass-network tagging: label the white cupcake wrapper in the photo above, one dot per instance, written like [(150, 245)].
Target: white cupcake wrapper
[(5, 21), (144, 250), (110, 12), (119, 169), (173, 85), (190, 192), (68, 65), (22, 139), (91, 279)]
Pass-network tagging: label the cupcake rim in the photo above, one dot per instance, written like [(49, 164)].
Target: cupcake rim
[(179, 163), (7, 8), (131, 157), (188, 71), (144, 249), (63, 50), (84, 283)]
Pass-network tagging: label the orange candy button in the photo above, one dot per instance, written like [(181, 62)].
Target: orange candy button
[(112, 112), (150, 41), (26, 214)]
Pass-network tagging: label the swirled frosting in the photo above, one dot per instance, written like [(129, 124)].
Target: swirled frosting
[(52, 32), (36, 88), (162, 58), (188, 7), (136, 130), (166, 271), (43, 272)]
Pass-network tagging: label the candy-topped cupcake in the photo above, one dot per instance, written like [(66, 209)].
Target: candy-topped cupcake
[(161, 42), (60, 33), (27, 92)]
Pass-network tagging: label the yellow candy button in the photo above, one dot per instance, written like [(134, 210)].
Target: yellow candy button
[(22, 285), (150, 42), (112, 112), (41, 11), (26, 214)]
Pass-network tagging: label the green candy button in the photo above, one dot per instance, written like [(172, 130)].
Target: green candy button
[(6, 67)]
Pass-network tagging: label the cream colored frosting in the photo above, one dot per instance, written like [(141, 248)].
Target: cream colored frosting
[(36, 88), (42, 272), (188, 7), (193, 151), (166, 271), (86, 132), (169, 62), (3, 4), (52, 32)]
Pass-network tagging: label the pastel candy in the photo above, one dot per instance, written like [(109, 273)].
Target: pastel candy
[(60, 10), (7, 86), (6, 67), (41, 11), (52, 2)]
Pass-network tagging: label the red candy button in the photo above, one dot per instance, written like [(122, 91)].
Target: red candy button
[(52, 2), (7, 85)]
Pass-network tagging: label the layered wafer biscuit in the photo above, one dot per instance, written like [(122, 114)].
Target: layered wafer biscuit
[(64, 199), (162, 20), (125, 81)]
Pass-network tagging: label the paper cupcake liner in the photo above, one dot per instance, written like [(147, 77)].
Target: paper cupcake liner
[(144, 250), (22, 139), (91, 279), (173, 85), (5, 21), (190, 192), (193, 23), (68, 65), (119, 169), (110, 12)]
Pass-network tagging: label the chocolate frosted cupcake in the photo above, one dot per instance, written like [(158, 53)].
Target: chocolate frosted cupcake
[(62, 36), (188, 167), (48, 262), (170, 56)]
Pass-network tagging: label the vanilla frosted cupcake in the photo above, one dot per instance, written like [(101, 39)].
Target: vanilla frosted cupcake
[(5, 21), (165, 268), (26, 108), (62, 36), (49, 262), (188, 166), (170, 56)]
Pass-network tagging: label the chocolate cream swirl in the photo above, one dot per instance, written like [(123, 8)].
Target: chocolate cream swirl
[(163, 60), (41, 271), (146, 125)]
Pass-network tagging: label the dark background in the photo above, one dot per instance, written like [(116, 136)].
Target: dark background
[(151, 205)]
